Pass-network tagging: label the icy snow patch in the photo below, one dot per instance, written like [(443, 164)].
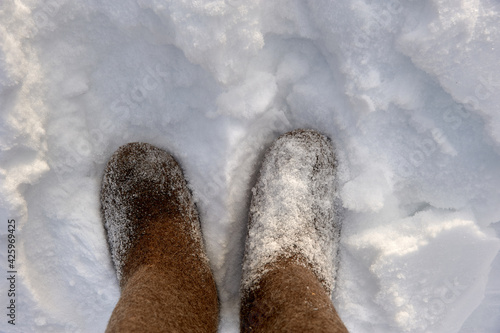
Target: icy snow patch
[(437, 253)]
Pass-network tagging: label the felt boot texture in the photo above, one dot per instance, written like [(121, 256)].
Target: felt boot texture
[(156, 245), (289, 298), (292, 243)]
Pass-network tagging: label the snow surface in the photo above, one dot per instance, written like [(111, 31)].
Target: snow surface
[(407, 90)]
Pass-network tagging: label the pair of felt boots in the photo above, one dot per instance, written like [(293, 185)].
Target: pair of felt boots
[(157, 248)]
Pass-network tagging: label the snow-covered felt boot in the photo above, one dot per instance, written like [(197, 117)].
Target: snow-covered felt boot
[(291, 247), (156, 245)]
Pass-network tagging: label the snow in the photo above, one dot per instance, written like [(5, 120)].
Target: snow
[(407, 91)]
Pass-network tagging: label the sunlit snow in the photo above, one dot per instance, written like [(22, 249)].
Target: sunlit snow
[(407, 90)]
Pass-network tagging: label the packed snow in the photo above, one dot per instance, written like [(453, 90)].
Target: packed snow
[(408, 91)]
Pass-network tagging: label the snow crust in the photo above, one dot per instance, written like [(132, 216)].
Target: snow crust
[(407, 91)]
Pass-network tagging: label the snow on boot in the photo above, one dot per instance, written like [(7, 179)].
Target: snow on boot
[(293, 232), (156, 245)]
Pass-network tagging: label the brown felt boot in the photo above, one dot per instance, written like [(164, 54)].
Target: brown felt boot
[(291, 248), (156, 245)]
